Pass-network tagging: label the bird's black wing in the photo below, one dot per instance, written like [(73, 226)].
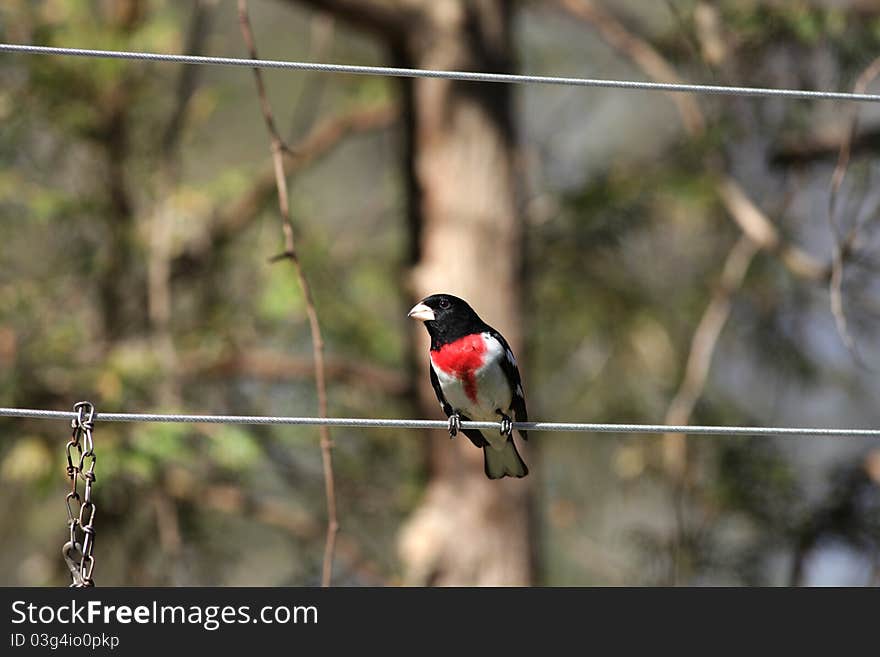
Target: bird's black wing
[(511, 372), (435, 383), (474, 435)]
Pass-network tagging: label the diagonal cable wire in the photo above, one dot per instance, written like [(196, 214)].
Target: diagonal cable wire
[(364, 423), (467, 76)]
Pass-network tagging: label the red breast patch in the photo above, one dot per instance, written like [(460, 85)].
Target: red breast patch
[(461, 359)]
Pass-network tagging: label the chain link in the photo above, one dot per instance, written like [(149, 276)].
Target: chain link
[(80, 451)]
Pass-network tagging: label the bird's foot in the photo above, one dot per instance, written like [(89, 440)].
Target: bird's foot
[(454, 425), (506, 425)]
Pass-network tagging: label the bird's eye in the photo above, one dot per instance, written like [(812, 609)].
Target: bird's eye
[(443, 303)]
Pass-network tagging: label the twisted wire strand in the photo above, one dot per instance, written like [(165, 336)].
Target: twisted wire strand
[(467, 76), (363, 423)]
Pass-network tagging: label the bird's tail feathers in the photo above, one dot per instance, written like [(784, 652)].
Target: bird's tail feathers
[(505, 462)]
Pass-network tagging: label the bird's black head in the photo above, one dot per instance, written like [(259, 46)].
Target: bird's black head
[(447, 318)]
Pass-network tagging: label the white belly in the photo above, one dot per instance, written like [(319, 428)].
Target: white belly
[(492, 389)]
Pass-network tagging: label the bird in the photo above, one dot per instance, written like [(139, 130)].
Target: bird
[(475, 377)]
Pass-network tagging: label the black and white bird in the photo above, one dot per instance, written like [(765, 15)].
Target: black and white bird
[(475, 377)]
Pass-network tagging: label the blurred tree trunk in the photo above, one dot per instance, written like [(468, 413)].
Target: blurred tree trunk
[(121, 290), (467, 241)]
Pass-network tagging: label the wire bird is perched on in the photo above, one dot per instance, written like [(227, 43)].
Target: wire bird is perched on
[(370, 423), (475, 377)]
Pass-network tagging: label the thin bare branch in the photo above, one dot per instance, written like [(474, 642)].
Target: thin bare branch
[(845, 152), (703, 343), (197, 33), (641, 53), (321, 33), (751, 220), (167, 523), (748, 216), (690, 40), (844, 244), (702, 349), (824, 144), (708, 26), (273, 366), (277, 149), (761, 230), (162, 218), (390, 19), (187, 489), (236, 215), (758, 230)]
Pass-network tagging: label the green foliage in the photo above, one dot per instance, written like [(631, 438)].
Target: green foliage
[(234, 448), (281, 298), (26, 462), (756, 478)]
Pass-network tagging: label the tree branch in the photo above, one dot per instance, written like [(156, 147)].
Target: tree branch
[(844, 243), (277, 148), (197, 32), (185, 488), (758, 227), (161, 219), (321, 33), (703, 343), (748, 217), (272, 366), (825, 145), (641, 53), (236, 215), (390, 19), (758, 231)]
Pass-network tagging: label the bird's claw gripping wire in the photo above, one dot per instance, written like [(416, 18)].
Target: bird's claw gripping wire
[(454, 425), (506, 426)]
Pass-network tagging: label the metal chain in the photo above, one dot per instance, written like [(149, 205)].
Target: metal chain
[(78, 550)]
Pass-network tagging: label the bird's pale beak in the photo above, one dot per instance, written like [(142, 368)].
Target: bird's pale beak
[(422, 312)]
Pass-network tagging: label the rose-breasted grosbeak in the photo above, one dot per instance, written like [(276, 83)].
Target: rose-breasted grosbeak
[(474, 374)]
